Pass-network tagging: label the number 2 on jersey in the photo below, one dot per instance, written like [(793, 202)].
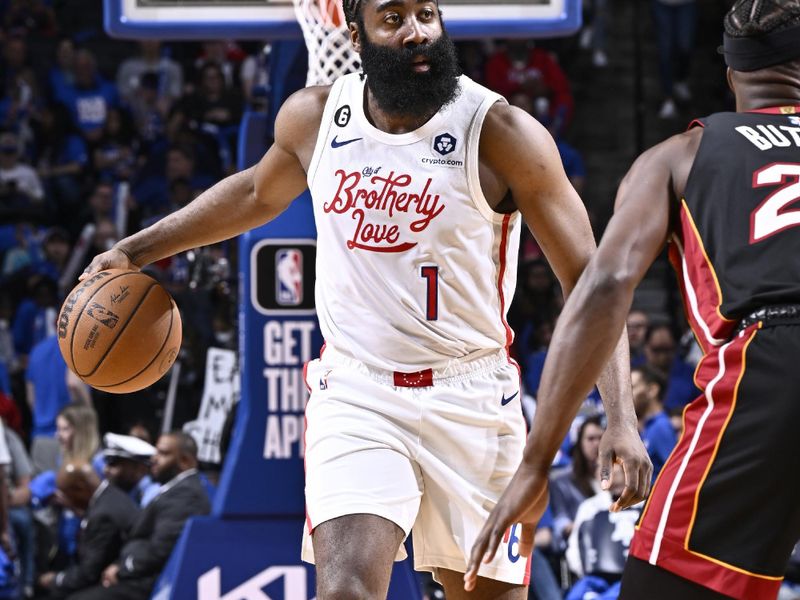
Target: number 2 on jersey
[(771, 216), (431, 274)]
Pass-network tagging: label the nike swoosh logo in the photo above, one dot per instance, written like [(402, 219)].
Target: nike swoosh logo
[(504, 400), (337, 144)]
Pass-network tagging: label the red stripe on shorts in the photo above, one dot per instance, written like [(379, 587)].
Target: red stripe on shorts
[(664, 540)]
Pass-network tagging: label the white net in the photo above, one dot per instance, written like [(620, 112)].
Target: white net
[(330, 53)]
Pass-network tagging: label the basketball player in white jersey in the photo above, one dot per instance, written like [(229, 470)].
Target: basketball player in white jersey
[(420, 180)]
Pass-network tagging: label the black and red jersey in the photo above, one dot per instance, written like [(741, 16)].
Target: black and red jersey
[(736, 247)]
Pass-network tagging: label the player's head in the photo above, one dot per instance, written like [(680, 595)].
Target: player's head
[(761, 42), (408, 58), (176, 452), (648, 387)]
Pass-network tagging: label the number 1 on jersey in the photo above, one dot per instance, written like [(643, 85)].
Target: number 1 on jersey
[(431, 274)]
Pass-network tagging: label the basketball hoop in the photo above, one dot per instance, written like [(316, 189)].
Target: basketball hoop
[(330, 54)]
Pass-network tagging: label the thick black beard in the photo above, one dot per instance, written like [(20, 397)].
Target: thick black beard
[(397, 88)]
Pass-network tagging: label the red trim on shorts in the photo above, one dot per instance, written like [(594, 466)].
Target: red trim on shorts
[(527, 579), (305, 430), (674, 553)]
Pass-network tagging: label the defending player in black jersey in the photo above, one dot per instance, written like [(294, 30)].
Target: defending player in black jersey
[(725, 512)]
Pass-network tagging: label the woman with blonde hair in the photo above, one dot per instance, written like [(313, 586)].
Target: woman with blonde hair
[(77, 433)]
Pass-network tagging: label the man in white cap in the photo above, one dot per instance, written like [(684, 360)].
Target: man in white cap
[(127, 465)]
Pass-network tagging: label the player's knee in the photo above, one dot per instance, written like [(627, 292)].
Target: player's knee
[(344, 586)]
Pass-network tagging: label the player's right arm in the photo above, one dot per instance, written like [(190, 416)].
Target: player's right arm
[(587, 331), (237, 203)]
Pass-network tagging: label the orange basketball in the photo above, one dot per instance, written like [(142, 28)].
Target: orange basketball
[(119, 331)]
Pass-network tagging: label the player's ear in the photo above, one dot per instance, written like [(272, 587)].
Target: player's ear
[(355, 38)]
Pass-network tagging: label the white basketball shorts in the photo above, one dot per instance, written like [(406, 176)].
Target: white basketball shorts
[(435, 458)]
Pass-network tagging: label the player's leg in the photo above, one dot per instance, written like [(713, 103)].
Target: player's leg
[(354, 556), (362, 485), (470, 447), (486, 589)]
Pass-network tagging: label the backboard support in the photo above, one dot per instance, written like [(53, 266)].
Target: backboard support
[(275, 19)]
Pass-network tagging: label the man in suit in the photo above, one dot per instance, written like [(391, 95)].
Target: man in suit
[(156, 530), (127, 465), (108, 515)]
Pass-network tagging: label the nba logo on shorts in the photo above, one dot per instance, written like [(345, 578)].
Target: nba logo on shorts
[(289, 277)]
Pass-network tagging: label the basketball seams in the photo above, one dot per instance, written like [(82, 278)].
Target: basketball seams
[(79, 314), (157, 354), (121, 331)]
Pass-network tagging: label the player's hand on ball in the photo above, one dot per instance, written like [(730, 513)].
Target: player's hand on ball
[(622, 445), (116, 258), (524, 501)]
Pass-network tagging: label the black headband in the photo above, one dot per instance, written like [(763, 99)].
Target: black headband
[(767, 50)]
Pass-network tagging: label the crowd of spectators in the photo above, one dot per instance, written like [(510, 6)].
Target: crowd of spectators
[(99, 138)]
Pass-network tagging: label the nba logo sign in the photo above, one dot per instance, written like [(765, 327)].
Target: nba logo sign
[(289, 277)]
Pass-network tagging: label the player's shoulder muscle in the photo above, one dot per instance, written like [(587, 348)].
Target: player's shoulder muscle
[(517, 147), (298, 119)]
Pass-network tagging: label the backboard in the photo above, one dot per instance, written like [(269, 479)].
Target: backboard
[(275, 19)]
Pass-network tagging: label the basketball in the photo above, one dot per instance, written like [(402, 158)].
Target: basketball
[(119, 331)]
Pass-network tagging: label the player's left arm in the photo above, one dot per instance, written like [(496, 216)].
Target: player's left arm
[(523, 154)]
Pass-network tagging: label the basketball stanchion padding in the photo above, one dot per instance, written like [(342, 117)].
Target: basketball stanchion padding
[(119, 331)]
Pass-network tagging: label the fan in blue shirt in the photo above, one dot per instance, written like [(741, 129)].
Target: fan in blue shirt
[(654, 424)]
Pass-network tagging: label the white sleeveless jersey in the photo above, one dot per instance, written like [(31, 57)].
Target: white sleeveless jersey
[(414, 269)]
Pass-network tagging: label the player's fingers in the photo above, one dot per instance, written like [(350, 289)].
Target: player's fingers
[(606, 460), (475, 558), (526, 538)]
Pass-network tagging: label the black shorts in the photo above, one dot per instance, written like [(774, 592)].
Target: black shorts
[(725, 510)]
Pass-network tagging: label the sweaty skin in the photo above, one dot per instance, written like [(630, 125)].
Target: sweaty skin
[(518, 158)]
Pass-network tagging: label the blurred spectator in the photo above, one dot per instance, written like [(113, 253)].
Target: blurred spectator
[(78, 436), (154, 61), (599, 542), (159, 525), (105, 236), (100, 205), (660, 354), (225, 54), (593, 34), (35, 16), (675, 24), (55, 254), (19, 183), (654, 424), (63, 163), (213, 110), (570, 487), (9, 363), (127, 465), (543, 585), (637, 324), (152, 194), (18, 476), (107, 516), (61, 77), (254, 76), (89, 97), (5, 461), (19, 90), (36, 315), (522, 66), (149, 110), (115, 153)]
